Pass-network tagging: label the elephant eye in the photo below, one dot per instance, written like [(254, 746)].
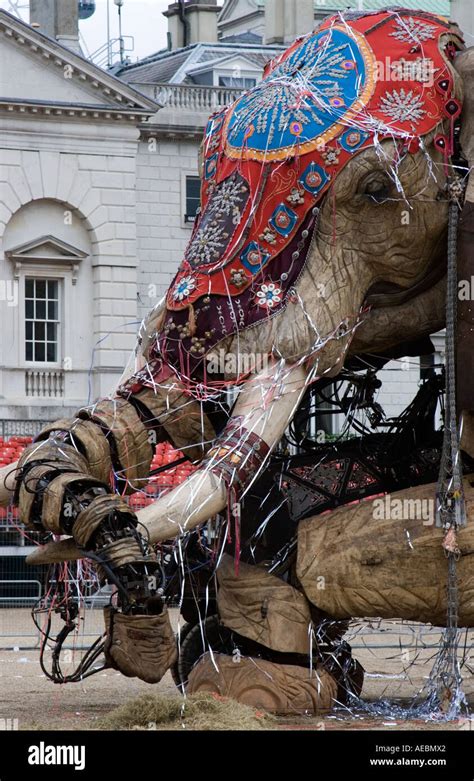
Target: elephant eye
[(376, 189)]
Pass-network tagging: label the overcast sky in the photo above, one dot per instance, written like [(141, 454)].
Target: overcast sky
[(141, 19)]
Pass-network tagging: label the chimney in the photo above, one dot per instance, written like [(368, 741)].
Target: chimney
[(59, 19), (462, 12), (190, 22), (285, 20)]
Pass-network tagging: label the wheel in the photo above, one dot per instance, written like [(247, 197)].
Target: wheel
[(196, 640)]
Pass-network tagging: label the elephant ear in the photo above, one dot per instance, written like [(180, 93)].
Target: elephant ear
[(464, 65)]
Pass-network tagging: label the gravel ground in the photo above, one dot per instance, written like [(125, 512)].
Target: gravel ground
[(27, 695)]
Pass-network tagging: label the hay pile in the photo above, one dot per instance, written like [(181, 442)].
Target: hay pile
[(196, 712)]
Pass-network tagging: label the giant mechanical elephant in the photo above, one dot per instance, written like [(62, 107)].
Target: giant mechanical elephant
[(323, 233)]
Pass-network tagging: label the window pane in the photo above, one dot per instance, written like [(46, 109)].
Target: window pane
[(29, 309), (29, 330), (29, 288), (29, 351), (51, 332), (51, 352), (193, 196), (39, 331), (52, 288), (52, 310), (236, 82), (39, 351), (41, 310), (40, 288)]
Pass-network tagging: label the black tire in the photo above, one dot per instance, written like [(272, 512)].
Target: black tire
[(195, 640)]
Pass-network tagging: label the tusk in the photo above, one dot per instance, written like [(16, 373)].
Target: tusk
[(266, 406), (55, 552), (196, 500)]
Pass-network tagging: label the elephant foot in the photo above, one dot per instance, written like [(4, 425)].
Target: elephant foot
[(141, 646), (277, 688)]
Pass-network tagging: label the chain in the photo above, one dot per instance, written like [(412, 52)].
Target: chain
[(444, 685), (450, 509)]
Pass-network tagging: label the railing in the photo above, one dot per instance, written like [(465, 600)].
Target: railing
[(190, 97), (17, 629), (20, 428), (44, 384), (109, 52)]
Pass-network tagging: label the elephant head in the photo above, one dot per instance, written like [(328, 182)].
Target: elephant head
[(322, 233)]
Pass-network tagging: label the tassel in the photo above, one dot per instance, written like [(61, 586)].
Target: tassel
[(191, 320), (160, 322)]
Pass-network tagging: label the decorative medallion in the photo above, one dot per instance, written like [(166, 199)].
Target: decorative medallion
[(210, 166), (268, 236), (314, 178), (254, 257), (403, 105), (269, 295), (238, 278), (353, 139), (283, 220), (183, 288), (331, 156), (285, 120), (413, 31)]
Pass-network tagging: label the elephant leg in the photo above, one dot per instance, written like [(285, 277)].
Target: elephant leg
[(63, 486)]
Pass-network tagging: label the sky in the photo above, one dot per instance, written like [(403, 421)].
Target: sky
[(141, 19)]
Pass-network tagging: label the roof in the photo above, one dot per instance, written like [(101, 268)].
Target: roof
[(441, 7), (171, 66), (247, 37)]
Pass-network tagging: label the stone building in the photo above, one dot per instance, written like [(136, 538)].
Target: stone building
[(68, 259)]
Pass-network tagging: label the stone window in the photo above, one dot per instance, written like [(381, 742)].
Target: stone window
[(42, 321), (193, 197), (237, 82)]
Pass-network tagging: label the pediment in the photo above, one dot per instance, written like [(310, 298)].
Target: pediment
[(236, 9), (36, 69), (46, 250), (228, 62)]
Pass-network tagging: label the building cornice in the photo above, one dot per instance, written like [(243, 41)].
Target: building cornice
[(55, 110), (169, 131), (116, 94)]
